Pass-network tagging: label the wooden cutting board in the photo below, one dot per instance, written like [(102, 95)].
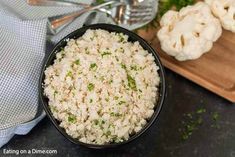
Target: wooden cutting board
[(215, 70)]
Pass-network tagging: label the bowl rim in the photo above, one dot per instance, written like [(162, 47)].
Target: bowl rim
[(110, 28)]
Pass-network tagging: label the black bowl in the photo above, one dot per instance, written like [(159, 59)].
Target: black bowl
[(132, 37)]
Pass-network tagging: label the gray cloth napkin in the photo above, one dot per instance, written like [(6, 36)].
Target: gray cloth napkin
[(23, 32)]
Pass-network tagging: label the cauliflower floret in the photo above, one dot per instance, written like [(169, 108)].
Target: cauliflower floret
[(225, 11), (189, 33)]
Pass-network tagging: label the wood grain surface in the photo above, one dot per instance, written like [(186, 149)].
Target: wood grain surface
[(215, 70)]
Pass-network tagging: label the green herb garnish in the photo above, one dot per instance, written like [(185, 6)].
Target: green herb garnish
[(72, 118), (131, 82), (134, 67), (121, 49), (123, 66), (116, 58), (69, 74), (93, 66), (90, 86), (121, 38), (86, 50), (121, 102), (201, 110), (191, 123), (108, 133), (105, 54), (96, 122), (55, 92), (215, 116), (77, 62)]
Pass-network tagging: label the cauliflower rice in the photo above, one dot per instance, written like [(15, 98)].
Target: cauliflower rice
[(102, 88)]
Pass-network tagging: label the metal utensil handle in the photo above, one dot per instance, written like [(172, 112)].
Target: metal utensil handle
[(58, 21), (55, 3)]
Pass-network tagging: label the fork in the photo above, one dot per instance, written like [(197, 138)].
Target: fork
[(121, 14), (130, 14), (56, 22)]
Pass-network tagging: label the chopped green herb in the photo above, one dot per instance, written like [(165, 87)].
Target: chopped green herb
[(86, 50), (199, 121), (201, 110), (91, 100), (90, 86), (189, 115), (93, 66), (116, 58), (140, 90), (123, 66), (191, 123), (115, 98), (107, 99), (108, 133), (121, 102), (117, 115), (121, 49), (102, 121), (69, 74), (105, 53), (72, 118), (77, 62), (55, 92), (96, 122), (134, 67), (121, 37), (131, 82), (110, 81), (215, 116), (62, 56)]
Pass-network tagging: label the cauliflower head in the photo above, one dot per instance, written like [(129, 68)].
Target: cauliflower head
[(225, 11), (189, 33)]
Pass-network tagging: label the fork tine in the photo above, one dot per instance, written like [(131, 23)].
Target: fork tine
[(131, 21), (137, 7), (139, 12), (141, 16)]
